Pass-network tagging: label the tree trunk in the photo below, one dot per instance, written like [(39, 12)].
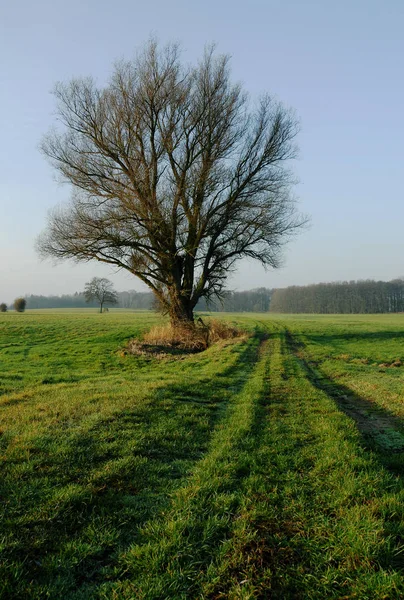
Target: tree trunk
[(181, 312), (101, 307)]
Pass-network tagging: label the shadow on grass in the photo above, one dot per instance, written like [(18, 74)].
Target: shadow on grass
[(369, 336), (120, 474), (200, 523), (160, 350), (281, 543), (381, 430)]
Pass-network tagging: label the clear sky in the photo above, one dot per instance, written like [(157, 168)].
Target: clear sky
[(338, 64)]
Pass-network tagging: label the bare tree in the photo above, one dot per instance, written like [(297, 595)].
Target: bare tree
[(175, 175), (100, 289)]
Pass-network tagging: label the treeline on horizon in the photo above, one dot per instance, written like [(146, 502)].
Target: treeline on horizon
[(342, 297), (256, 300), (131, 299)]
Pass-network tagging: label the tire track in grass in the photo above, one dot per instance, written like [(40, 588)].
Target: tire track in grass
[(313, 519), (319, 517), (381, 430), (284, 504), (183, 547)]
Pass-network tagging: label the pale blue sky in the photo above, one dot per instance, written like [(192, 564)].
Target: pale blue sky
[(338, 64)]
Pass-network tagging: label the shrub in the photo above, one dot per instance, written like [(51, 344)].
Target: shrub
[(20, 304), (3, 307), (189, 339)]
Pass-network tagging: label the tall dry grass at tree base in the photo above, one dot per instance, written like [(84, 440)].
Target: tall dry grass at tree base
[(189, 339)]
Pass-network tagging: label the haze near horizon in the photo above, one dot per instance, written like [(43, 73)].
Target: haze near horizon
[(338, 66)]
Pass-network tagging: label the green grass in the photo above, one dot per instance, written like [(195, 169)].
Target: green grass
[(269, 467), (360, 359)]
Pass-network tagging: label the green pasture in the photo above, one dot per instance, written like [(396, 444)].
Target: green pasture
[(269, 466)]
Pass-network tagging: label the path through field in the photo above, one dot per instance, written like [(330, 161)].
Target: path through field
[(254, 470), (287, 503)]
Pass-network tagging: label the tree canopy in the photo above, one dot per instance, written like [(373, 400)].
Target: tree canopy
[(20, 304), (100, 289), (176, 175)]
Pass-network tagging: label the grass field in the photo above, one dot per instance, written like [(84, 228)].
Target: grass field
[(264, 467)]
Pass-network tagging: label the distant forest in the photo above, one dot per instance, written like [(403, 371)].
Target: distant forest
[(257, 300), (341, 297), (327, 298), (131, 299)]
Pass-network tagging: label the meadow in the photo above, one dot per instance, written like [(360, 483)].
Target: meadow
[(268, 466)]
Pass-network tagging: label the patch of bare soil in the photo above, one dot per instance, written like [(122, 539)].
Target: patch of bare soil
[(380, 426), (395, 363)]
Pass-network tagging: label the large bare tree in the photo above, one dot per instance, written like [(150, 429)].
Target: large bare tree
[(176, 175)]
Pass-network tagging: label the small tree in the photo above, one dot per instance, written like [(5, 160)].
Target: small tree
[(100, 289), (20, 304), (3, 307)]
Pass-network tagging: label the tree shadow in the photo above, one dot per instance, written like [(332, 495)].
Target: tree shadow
[(371, 336), (121, 474), (163, 351)]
